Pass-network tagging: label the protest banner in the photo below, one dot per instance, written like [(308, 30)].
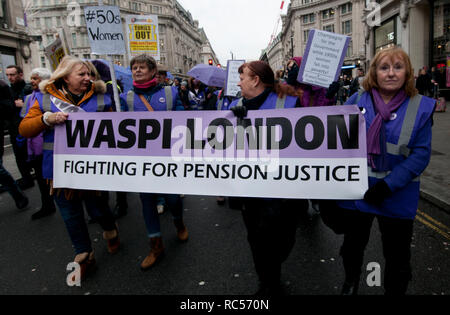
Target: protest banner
[(104, 27), (232, 89), (323, 58), (55, 53), (317, 153), (143, 35)]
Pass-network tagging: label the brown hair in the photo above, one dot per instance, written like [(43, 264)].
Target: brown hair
[(370, 80), (267, 77), (148, 60)]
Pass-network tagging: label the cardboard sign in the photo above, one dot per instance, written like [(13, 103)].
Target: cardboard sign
[(55, 53), (323, 58), (313, 152), (232, 89), (143, 35), (104, 27)]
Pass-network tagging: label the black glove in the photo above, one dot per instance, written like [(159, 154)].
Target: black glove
[(239, 111), (332, 90), (377, 193)]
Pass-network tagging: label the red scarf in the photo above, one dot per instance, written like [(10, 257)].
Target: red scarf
[(145, 85)]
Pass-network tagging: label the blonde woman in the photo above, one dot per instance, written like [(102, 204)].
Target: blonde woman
[(70, 89)]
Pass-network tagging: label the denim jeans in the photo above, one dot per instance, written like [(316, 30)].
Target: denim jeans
[(72, 213), (150, 212)]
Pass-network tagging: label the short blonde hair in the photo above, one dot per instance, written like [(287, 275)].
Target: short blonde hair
[(67, 65), (370, 80)]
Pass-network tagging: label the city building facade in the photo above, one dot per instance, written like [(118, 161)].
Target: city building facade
[(14, 40), (420, 27), (181, 40), (337, 16)]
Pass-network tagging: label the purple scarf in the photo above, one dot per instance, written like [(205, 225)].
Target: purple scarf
[(376, 136)]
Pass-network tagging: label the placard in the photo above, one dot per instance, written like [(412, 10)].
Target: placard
[(317, 153), (232, 89), (104, 28), (143, 35), (55, 53), (323, 58)]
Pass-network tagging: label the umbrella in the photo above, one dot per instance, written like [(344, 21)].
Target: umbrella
[(209, 75), (169, 75)]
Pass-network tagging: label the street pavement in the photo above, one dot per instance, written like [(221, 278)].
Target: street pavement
[(435, 181), (216, 260)]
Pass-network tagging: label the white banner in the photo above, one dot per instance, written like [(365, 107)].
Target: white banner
[(280, 178)]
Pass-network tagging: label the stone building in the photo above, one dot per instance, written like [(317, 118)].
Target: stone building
[(420, 27), (182, 42), (338, 16), (14, 40)]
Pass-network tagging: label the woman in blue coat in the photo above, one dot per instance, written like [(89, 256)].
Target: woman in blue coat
[(398, 122), (149, 95), (271, 223)]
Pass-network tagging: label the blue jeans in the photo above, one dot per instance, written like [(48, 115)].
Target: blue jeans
[(150, 212), (73, 215)]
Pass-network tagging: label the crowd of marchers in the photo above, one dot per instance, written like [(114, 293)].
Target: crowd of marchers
[(398, 122)]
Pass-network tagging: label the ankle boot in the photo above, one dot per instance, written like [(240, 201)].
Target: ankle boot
[(86, 262), (19, 197), (182, 232), (113, 241), (156, 252), (43, 212)]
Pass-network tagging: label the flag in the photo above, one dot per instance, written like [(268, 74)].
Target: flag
[(282, 4)]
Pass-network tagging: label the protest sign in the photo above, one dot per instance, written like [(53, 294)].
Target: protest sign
[(232, 89), (104, 27), (55, 53), (317, 153), (143, 35), (323, 58)]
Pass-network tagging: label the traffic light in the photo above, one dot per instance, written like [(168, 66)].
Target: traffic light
[(219, 66), (210, 62)]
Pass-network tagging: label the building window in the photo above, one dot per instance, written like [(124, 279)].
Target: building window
[(43, 63), (305, 35), (349, 50), (347, 27), (327, 14), (48, 22), (329, 28), (86, 56), (309, 18), (74, 40), (156, 9), (346, 8)]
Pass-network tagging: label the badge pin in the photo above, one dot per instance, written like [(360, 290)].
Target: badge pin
[(363, 111), (162, 100), (393, 116)]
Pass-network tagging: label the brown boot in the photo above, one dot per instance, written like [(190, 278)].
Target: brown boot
[(156, 252), (182, 231), (87, 264), (112, 238)]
